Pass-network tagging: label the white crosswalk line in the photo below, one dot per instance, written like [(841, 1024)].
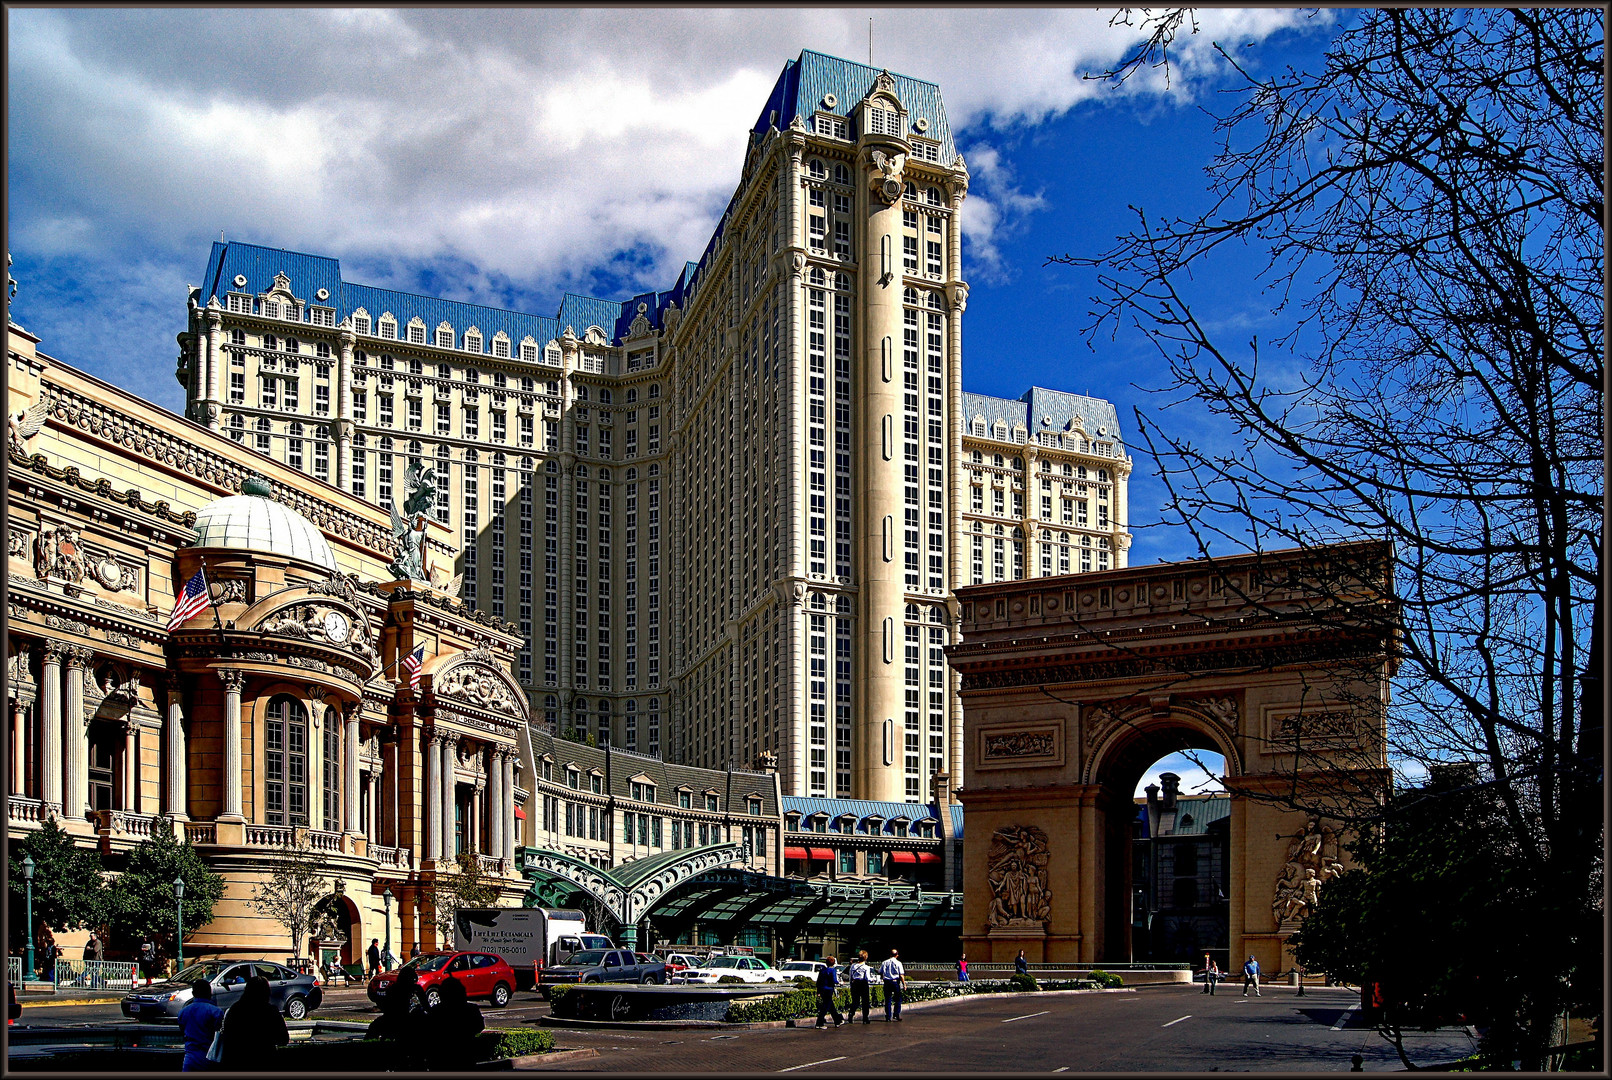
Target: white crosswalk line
[(1178, 1019), (809, 1064), (1344, 1019)]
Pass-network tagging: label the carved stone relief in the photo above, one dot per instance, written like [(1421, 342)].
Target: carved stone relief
[(1020, 744), (479, 685), (1312, 861), (1017, 871)]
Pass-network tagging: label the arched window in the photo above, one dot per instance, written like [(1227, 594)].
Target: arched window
[(285, 762), (932, 196), (632, 394), (605, 397), (818, 169), (842, 175), (331, 771), (604, 721)]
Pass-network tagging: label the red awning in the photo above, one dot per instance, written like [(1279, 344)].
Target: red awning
[(794, 853), (823, 853), (928, 857), (903, 856), (520, 814)]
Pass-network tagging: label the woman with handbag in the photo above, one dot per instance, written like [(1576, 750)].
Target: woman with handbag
[(252, 1027)]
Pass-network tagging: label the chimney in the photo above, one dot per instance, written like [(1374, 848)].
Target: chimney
[(1153, 811), (1172, 784)]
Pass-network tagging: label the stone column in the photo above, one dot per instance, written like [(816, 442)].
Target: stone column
[(213, 363), (349, 771), (496, 800), (879, 427), (173, 754), (233, 680), (432, 744), (75, 742), (450, 748), (50, 696), (343, 426), (131, 767), (475, 832), (506, 763)]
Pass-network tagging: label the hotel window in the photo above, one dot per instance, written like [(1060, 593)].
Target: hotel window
[(847, 862), (262, 435), (685, 800), (321, 399), (417, 333), (388, 327), (501, 347), (472, 342), (444, 419), (288, 400), (909, 253), (444, 337), (237, 387), (285, 763), (875, 862), (416, 415), (321, 456), (833, 127)]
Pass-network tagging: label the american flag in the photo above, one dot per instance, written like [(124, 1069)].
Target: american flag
[(412, 664), (193, 600)]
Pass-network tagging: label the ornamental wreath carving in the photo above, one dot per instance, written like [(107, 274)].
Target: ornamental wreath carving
[(478, 685), (1017, 871)]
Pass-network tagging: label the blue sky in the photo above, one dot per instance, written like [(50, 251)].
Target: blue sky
[(504, 156)]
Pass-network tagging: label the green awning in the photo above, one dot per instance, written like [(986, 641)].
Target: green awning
[(904, 914), (785, 910), (695, 899), (731, 908), (842, 913)]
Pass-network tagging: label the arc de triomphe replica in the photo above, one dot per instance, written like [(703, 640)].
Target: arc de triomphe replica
[(1073, 685)]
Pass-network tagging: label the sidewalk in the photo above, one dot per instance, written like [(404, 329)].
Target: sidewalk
[(345, 995)]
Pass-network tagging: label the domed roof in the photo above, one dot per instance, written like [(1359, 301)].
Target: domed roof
[(252, 521)]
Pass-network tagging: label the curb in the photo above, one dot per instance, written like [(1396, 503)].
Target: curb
[(556, 1056)]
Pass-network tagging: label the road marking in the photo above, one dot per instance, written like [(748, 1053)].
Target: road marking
[(1063, 1069), (1344, 1019), (809, 1064), (1026, 1016), (1178, 1019)]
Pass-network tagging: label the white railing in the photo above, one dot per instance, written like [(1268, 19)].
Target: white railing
[(24, 809), (391, 857), (201, 832), (491, 864), (324, 841), (94, 975), (127, 823), (14, 971), (270, 836)]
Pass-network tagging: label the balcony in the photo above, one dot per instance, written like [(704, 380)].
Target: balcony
[(25, 812)]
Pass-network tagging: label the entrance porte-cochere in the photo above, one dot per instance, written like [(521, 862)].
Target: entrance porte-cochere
[(1073, 686)]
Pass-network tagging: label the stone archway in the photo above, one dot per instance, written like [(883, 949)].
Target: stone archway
[(1071, 686), (337, 926)]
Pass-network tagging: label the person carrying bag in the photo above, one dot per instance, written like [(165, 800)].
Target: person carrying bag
[(861, 977)]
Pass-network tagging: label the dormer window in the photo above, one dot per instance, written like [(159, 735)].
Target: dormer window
[(792, 822), (416, 332), (548, 769), (596, 782), (444, 336), (361, 321), (388, 327), (685, 799), (875, 825), (710, 802), (473, 341), (820, 823), (882, 121), (834, 127), (501, 346), (754, 805), (573, 778)]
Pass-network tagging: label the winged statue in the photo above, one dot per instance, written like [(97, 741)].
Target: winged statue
[(24, 424), (887, 181), (409, 527)]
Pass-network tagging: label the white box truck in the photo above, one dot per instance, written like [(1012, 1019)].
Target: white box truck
[(527, 938)]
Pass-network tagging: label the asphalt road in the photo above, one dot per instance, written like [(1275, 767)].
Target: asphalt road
[(1161, 1029), (1154, 1029)]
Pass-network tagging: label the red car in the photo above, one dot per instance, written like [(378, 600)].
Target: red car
[(485, 975)]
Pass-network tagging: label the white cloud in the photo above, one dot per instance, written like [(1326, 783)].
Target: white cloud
[(534, 145)]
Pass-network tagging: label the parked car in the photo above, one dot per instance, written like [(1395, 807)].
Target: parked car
[(293, 993), (600, 966), (794, 969), (749, 969), (485, 975), (677, 963)]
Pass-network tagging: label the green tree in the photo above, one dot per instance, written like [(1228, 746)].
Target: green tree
[(142, 904), (288, 894), (70, 891)]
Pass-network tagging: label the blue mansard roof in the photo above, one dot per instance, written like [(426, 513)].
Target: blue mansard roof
[(861, 809), (1041, 409), (805, 82)]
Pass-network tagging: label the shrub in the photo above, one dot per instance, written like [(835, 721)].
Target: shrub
[(1023, 982), (1106, 979), (512, 1042), (730, 979)]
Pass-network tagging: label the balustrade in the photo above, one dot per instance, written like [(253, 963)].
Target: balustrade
[(270, 836), (325, 841), (24, 809), (201, 832), (390, 858)]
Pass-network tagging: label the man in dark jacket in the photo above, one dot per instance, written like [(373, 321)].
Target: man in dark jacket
[(252, 1027), (827, 981), (374, 957), (452, 1028)]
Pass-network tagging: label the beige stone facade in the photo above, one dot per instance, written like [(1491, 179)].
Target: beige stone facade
[(727, 519), (1072, 686)]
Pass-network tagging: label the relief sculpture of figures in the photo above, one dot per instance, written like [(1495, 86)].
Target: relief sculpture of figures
[(408, 528), (1312, 861), (1017, 871)]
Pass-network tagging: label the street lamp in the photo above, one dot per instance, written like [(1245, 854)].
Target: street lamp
[(179, 913), (386, 899), (28, 879)]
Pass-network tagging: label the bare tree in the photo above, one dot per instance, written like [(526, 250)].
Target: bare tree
[(1430, 205), (450, 893), (288, 894)]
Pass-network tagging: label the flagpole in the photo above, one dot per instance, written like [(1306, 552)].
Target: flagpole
[(218, 619)]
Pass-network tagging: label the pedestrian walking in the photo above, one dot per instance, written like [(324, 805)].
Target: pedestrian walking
[(828, 980), (387, 959), (374, 957), (1211, 975), (414, 952), (894, 976), (452, 1028), (1021, 966), (252, 1027), (199, 1021), (861, 979), (962, 968), (94, 954), (1251, 977), (148, 958), (47, 952)]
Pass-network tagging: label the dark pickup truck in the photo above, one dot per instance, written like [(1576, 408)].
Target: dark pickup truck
[(600, 965)]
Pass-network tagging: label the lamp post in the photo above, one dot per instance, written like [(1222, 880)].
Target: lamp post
[(28, 884), (386, 899), (179, 914)]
